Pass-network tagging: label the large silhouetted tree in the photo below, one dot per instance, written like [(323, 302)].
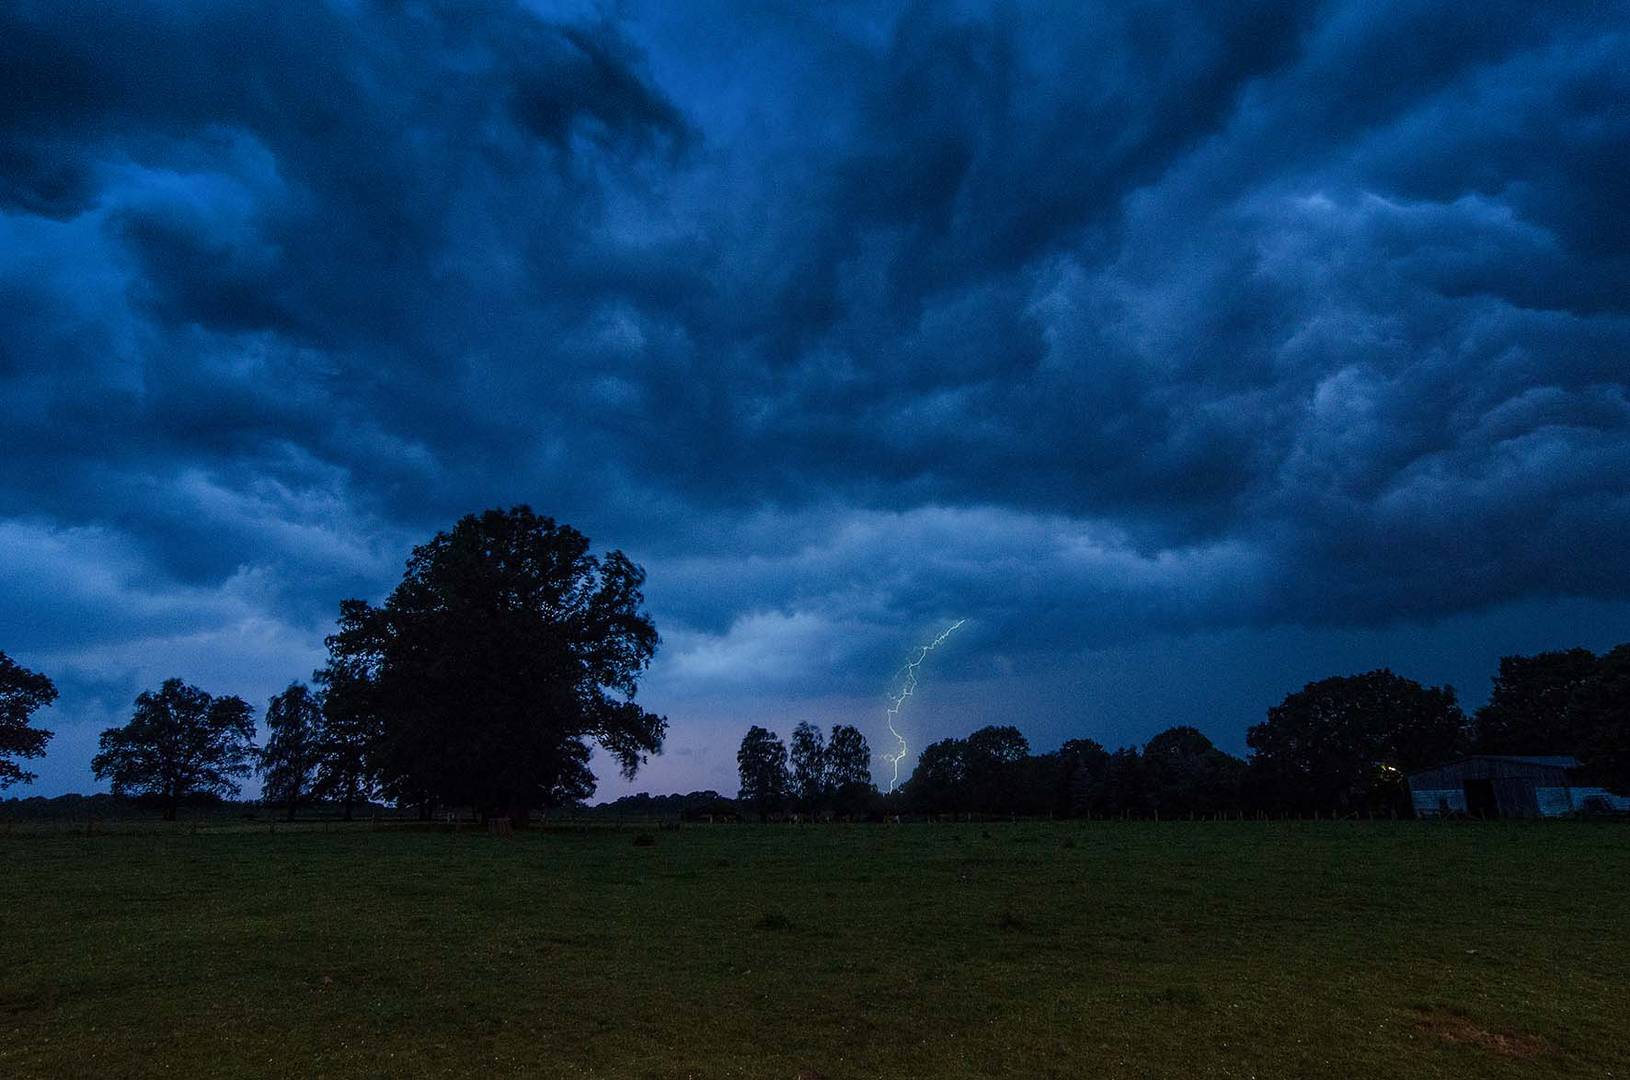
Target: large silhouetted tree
[(1082, 763), (1346, 742), (993, 761), (849, 769), (1115, 788), (180, 742), (350, 731), (984, 773), (939, 783), (1183, 773), (762, 764), (1530, 709), (288, 763), (22, 693), (809, 766), (505, 651), (1602, 710)]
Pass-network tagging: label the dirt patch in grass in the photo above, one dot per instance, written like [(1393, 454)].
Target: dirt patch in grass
[(16, 1004), (774, 919), (1451, 1027), (1175, 997), (1010, 919)]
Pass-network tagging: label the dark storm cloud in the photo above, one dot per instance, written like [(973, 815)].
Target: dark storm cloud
[(269, 242), (1091, 322)]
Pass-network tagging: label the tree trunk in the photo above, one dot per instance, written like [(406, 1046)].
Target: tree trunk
[(291, 810), (347, 808)]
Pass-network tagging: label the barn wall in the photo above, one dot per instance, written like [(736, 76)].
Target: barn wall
[(1615, 802), (1554, 801), (1426, 800)]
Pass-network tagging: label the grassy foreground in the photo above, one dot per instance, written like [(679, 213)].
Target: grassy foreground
[(1034, 950)]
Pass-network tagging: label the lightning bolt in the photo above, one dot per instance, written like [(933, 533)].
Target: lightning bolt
[(908, 686)]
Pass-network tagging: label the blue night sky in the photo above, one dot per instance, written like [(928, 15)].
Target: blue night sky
[(1189, 351)]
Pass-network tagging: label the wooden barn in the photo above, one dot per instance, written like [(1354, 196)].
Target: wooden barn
[(1506, 786)]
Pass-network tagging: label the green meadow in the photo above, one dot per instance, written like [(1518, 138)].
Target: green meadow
[(1070, 949)]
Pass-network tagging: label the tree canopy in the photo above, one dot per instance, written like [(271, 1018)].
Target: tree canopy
[(1114, 787), (1530, 708), (990, 771), (506, 650), (1602, 713), (1346, 742), (1183, 773), (809, 766), (848, 769), (180, 742), (288, 763), (352, 723), (993, 772), (22, 693), (761, 762), (993, 761), (939, 783), (824, 776)]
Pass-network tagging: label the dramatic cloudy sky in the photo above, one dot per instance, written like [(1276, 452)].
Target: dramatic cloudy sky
[(1190, 351)]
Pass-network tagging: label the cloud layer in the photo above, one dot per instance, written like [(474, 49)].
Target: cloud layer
[(1100, 326)]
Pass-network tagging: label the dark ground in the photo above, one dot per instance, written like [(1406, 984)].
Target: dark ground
[(1068, 949)]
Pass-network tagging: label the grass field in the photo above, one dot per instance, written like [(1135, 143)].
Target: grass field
[(1034, 950)]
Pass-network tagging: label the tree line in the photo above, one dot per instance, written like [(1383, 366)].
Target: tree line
[(1342, 745), (506, 650), (817, 775)]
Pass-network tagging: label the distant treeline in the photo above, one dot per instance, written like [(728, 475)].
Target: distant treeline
[(694, 806), (508, 650), (1343, 745), (106, 807), (101, 807)]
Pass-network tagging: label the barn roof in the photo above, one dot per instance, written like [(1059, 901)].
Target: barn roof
[(1553, 761), (1541, 761)]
